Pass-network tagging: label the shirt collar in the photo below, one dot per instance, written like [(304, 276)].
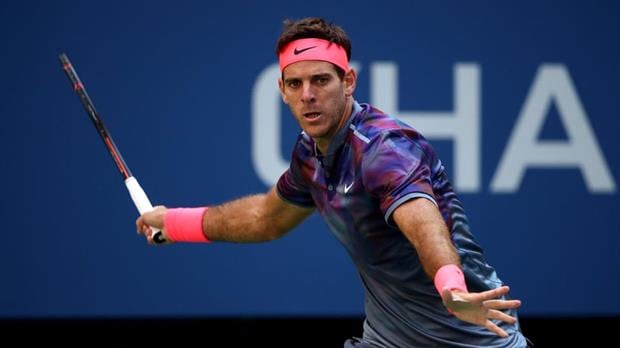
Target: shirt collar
[(339, 138)]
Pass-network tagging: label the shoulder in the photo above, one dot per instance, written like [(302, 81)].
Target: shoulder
[(303, 148), (374, 127), (390, 143), (303, 159)]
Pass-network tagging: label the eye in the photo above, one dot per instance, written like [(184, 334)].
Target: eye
[(322, 80), (293, 84)]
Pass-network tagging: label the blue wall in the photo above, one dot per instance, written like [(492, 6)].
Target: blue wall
[(176, 83)]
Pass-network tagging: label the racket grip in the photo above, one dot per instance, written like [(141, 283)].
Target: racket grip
[(144, 205)]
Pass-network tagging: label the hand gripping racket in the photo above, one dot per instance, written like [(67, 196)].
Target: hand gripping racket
[(136, 192)]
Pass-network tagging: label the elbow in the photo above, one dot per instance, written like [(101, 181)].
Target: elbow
[(274, 232)]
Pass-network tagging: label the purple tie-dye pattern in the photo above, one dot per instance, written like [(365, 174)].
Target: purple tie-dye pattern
[(373, 165)]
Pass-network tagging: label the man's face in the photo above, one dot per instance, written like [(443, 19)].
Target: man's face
[(317, 97)]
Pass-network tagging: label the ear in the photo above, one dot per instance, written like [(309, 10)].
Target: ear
[(350, 80), (281, 87)]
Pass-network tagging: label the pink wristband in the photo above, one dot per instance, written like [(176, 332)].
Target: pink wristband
[(450, 277), (185, 225)]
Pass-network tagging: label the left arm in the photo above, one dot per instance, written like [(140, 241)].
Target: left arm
[(421, 222)]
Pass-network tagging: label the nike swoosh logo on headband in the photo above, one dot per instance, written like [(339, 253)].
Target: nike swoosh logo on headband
[(296, 51)]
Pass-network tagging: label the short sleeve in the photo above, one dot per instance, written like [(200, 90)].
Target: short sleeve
[(396, 168), (293, 189)]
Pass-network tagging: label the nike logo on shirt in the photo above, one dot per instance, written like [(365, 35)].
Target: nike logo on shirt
[(347, 188)]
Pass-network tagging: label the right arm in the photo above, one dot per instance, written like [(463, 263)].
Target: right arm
[(255, 218)]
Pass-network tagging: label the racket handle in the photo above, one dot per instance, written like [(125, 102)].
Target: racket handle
[(144, 205)]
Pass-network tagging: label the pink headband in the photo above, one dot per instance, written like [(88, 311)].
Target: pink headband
[(313, 49)]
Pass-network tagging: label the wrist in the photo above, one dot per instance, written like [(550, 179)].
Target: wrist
[(185, 225), (450, 277)]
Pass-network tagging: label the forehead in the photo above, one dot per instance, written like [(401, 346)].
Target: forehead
[(307, 68)]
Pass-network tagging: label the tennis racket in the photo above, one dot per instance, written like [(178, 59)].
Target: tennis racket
[(138, 196)]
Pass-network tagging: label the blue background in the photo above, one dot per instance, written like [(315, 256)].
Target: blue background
[(173, 82)]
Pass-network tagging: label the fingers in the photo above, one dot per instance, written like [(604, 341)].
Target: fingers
[(498, 292), (452, 299), (149, 238), (502, 304), (481, 308), (147, 231), (149, 220), (489, 294), (496, 329), (498, 315), (139, 224), (144, 229)]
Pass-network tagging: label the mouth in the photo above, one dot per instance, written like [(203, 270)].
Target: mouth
[(312, 115)]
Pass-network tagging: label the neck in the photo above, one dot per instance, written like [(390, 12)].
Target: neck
[(323, 143)]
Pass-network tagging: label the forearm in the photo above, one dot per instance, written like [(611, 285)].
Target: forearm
[(434, 247), (243, 220), (425, 228), (256, 218)]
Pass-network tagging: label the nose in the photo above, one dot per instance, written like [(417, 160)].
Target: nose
[(308, 95)]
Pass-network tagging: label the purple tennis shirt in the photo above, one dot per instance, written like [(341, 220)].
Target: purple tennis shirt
[(374, 164)]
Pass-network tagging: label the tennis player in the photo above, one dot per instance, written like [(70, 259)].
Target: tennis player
[(385, 195)]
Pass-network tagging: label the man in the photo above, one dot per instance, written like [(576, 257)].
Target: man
[(385, 195)]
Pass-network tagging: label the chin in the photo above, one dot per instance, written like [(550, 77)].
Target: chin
[(314, 133)]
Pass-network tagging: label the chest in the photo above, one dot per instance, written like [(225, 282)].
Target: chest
[(337, 186)]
